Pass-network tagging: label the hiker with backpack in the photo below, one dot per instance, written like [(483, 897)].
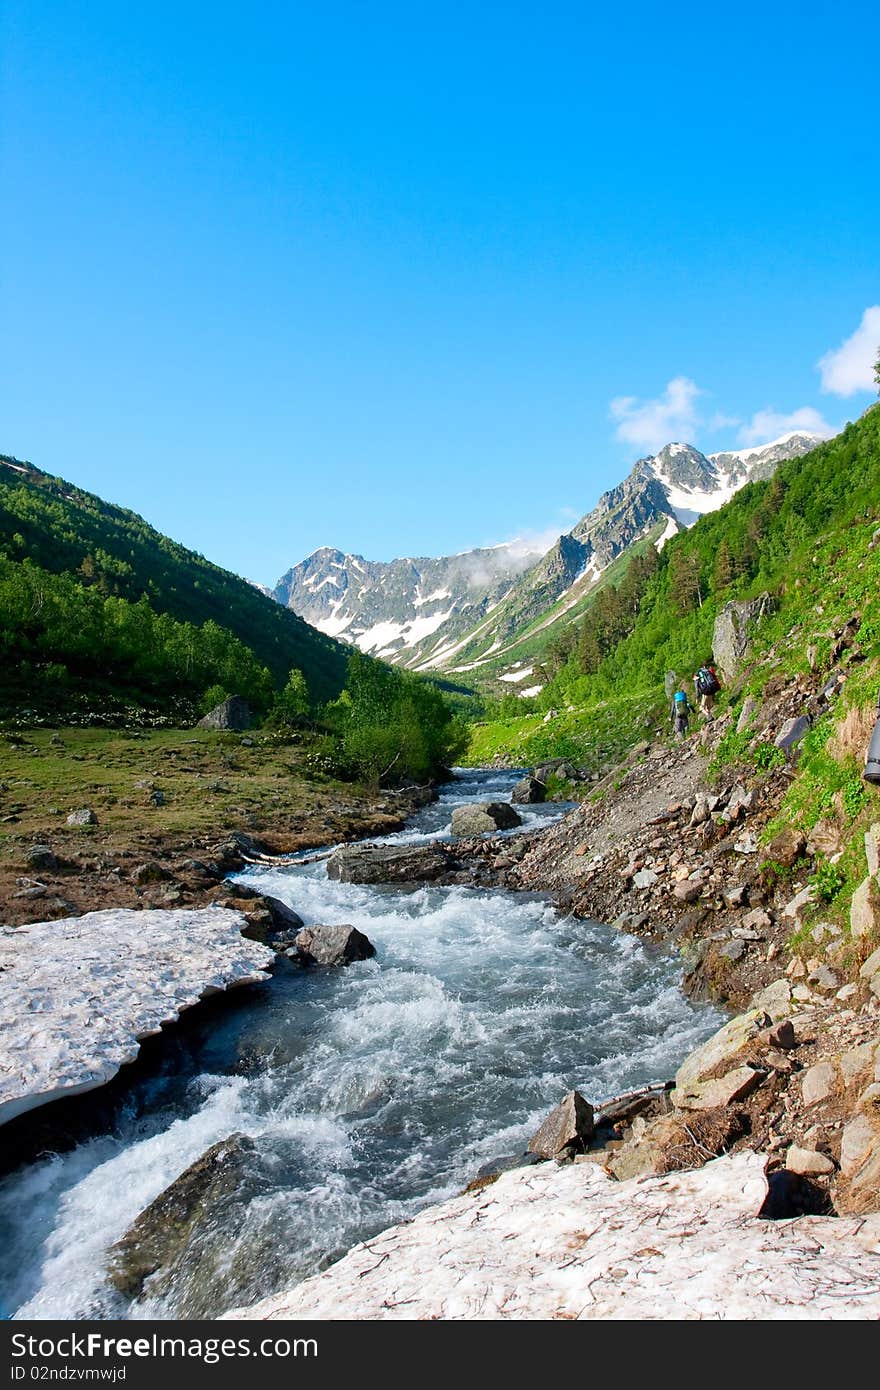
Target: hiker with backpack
[(681, 712), (707, 685)]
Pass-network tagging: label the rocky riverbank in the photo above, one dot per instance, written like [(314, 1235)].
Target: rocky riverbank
[(94, 819)]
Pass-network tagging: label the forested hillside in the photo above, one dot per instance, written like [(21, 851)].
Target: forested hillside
[(89, 593)]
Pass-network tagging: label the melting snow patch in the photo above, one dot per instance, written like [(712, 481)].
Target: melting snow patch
[(570, 1242), (78, 995)]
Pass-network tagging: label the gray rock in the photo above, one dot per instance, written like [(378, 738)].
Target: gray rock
[(872, 849), (793, 732), (775, 999), (83, 817), (819, 1082), (824, 979), (645, 878), (749, 708), (864, 912), (150, 872), (157, 798), (233, 713), (40, 857), (701, 812), (871, 966), (733, 630), (272, 922), (164, 1232), (796, 909), (733, 950), (528, 791), (737, 895), (569, 1126), (341, 945), (387, 863), (855, 1061), (497, 1166), (484, 817)]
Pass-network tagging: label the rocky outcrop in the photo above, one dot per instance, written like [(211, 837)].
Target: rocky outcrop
[(234, 713), (569, 1242), (387, 863), (734, 629), (484, 818), (318, 945), (78, 995), (162, 1236)]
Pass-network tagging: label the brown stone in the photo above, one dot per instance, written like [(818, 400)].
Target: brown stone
[(570, 1125)]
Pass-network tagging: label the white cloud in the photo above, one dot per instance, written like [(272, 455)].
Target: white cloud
[(766, 425), (652, 423), (850, 368)]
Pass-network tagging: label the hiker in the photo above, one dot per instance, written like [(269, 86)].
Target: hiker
[(681, 711), (706, 685)]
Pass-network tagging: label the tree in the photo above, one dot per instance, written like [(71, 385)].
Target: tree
[(292, 704), (877, 372)]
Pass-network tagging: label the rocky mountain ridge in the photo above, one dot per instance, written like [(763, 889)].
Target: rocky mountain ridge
[(458, 613)]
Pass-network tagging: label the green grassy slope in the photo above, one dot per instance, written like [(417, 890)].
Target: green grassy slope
[(805, 536)]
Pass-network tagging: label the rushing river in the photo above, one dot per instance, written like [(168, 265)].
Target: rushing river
[(368, 1091)]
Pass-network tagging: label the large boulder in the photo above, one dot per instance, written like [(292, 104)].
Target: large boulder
[(387, 863), (161, 1237), (724, 1045), (566, 1128), (271, 921), (484, 818), (333, 945), (234, 713), (733, 631), (528, 790)]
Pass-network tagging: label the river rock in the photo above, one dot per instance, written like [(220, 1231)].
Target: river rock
[(233, 713), (484, 818), (163, 1234), (271, 921), (387, 863), (720, 1090), (725, 1044), (79, 994), (566, 1127), (320, 945), (528, 791)]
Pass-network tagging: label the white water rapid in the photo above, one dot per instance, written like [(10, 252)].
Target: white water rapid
[(368, 1091)]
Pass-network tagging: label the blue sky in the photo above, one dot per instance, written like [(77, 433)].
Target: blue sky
[(408, 279)]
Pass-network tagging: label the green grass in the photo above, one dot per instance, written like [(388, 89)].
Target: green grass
[(593, 737)]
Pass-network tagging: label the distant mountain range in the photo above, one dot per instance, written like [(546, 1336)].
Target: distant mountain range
[(490, 612)]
